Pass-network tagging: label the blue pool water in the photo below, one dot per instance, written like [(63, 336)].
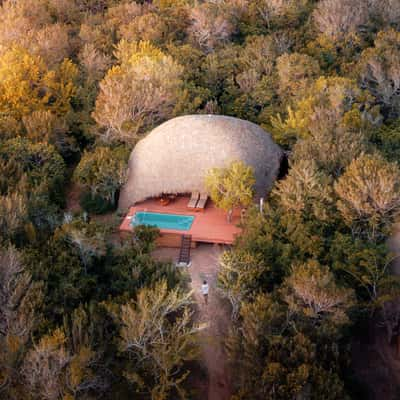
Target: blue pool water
[(163, 221)]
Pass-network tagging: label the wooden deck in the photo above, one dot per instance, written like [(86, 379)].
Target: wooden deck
[(209, 226)]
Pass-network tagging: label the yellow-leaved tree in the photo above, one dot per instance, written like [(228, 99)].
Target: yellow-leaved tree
[(369, 195), (28, 86), (22, 79), (330, 105), (139, 92), (232, 186)]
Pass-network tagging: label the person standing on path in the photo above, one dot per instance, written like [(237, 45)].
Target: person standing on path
[(204, 291)]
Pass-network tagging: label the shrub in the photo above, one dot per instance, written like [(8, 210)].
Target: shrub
[(95, 204)]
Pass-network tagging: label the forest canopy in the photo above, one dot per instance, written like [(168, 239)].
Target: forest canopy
[(85, 316)]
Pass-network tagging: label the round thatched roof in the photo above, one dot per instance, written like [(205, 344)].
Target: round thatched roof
[(175, 156)]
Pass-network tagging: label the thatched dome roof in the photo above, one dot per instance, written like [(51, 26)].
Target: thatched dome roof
[(175, 156)]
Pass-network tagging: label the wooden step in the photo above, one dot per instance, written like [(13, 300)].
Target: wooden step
[(184, 252)]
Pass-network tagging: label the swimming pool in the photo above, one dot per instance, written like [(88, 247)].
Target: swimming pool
[(163, 221)]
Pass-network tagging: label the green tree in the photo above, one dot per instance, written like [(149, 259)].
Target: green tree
[(306, 191), (231, 187), (279, 238), (252, 85), (80, 265), (20, 301), (239, 277), (43, 167), (88, 243), (158, 344), (366, 268), (68, 282), (36, 183), (311, 291), (13, 215), (291, 370), (274, 361), (103, 172), (379, 72), (387, 140), (246, 344)]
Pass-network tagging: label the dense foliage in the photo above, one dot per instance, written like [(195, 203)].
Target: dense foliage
[(85, 316), (231, 187)]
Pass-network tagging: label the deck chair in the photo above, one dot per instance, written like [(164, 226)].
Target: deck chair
[(201, 204), (194, 198)]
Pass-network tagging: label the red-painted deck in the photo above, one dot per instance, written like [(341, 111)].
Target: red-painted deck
[(209, 226)]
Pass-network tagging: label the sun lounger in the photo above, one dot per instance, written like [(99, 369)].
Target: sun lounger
[(193, 200), (201, 204)]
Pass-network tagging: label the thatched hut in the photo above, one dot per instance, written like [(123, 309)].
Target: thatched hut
[(175, 156)]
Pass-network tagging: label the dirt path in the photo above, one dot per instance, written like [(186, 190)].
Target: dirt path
[(215, 315), (73, 193)]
